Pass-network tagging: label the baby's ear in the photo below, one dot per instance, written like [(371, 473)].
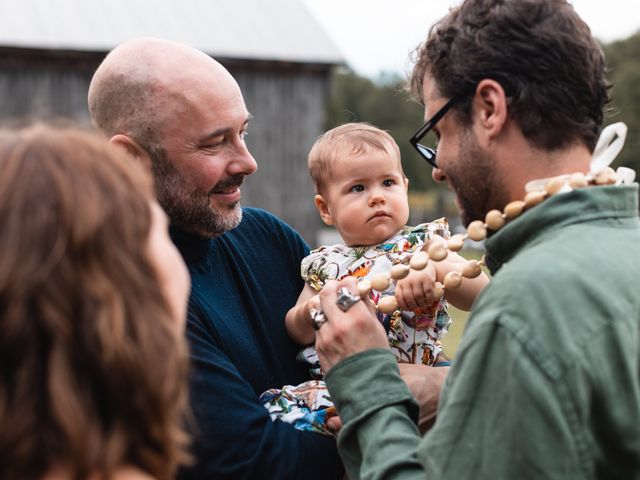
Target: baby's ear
[(323, 210)]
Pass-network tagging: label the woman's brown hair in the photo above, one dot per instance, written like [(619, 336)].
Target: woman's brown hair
[(92, 365)]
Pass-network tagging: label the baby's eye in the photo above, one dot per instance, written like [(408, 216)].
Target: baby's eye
[(389, 182), (357, 188)]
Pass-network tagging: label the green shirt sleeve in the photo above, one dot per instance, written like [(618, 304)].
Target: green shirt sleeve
[(379, 437), (497, 390)]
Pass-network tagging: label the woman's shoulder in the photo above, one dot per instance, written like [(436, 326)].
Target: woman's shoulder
[(131, 473), (123, 473)]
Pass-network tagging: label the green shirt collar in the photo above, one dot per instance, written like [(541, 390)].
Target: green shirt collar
[(607, 203)]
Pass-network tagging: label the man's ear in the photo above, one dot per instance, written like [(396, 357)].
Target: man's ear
[(490, 108), (132, 148), (323, 210)]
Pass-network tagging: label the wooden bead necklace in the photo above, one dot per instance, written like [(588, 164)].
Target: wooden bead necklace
[(438, 248)]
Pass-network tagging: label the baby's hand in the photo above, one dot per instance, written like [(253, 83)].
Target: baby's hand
[(416, 289), (312, 303)]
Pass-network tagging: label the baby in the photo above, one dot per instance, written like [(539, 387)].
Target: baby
[(362, 191)]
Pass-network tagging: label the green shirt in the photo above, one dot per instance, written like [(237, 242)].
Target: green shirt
[(546, 382)]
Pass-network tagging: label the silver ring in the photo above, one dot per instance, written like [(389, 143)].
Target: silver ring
[(346, 300), (317, 318)]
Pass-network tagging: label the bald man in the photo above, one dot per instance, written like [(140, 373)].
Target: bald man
[(183, 115)]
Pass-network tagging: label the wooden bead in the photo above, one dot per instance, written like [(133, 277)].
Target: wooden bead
[(606, 177), (456, 242), (578, 180), (419, 260), (438, 290), (494, 220), (387, 304), (476, 231), (437, 251), (554, 185), (531, 199), (513, 209), (364, 288), (398, 272), (471, 269), (380, 282), (452, 280)]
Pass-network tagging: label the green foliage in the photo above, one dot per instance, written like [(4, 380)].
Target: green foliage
[(623, 59), (384, 104)]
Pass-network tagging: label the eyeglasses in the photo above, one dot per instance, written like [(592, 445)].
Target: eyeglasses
[(429, 154)]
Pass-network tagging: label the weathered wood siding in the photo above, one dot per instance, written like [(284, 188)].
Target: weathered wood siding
[(287, 100), (40, 84), (289, 111)]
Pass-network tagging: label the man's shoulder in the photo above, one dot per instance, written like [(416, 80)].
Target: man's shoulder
[(267, 230), (257, 218), (549, 299), (253, 215)]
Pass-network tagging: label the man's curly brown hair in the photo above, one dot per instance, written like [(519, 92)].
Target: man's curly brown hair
[(540, 51)]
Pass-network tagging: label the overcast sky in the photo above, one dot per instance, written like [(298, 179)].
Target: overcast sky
[(375, 35)]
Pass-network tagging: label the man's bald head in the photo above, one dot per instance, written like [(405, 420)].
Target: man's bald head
[(177, 110), (143, 83)]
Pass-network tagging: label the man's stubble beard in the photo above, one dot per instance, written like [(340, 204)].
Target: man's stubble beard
[(475, 181), (191, 211)]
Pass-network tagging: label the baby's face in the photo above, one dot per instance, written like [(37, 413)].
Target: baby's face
[(366, 197)]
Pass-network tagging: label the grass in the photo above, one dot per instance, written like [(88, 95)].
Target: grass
[(452, 339)]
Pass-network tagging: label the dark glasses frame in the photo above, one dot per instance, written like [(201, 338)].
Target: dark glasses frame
[(428, 153)]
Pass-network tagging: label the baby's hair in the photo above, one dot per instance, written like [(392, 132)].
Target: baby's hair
[(348, 139)]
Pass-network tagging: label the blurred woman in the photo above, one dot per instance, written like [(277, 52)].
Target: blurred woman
[(92, 304)]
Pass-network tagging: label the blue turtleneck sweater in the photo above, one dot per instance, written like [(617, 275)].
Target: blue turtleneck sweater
[(243, 283)]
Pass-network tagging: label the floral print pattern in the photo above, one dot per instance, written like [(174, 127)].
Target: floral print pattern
[(414, 336)]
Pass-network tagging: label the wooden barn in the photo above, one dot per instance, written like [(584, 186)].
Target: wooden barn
[(276, 50)]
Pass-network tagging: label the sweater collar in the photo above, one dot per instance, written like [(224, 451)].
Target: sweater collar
[(559, 211), (193, 248)]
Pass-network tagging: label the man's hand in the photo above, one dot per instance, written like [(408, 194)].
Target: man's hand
[(416, 289), (425, 384), (346, 333)]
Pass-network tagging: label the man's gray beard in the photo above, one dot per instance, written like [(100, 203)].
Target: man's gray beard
[(189, 210)]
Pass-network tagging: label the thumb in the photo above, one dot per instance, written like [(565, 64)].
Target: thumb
[(334, 424)]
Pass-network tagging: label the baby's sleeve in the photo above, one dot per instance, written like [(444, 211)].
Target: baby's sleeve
[(439, 226), (310, 268)]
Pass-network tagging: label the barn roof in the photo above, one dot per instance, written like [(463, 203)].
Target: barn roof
[(282, 30)]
